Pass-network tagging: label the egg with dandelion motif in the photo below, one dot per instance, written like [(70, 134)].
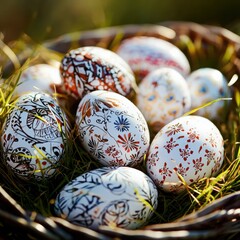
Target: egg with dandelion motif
[(40, 77), (112, 129), (206, 85), (121, 197), (145, 54), (34, 135), (188, 148), (92, 68), (163, 95)]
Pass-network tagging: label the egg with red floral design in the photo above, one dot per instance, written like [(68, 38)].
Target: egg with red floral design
[(112, 129), (191, 147), (33, 136), (163, 95), (206, 85), (92, 68), (145, 54)]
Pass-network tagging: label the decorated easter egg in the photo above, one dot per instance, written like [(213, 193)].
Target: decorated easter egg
[(40, 78), (206, 85), (112, 196), (93, 68), (145, 54), (33, 136), (190, 147), (112, 129), (163, 96)]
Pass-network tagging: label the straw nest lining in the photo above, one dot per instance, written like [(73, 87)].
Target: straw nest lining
[(220, 218)]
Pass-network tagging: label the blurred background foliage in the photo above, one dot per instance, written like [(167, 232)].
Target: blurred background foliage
[(45, 19)]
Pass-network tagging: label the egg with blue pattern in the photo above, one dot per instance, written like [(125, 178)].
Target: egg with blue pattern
[(121, 197), (163, 96), (206, 85)]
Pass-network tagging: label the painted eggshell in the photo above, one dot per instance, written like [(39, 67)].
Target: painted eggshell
[(191, 146), (206, 85), (112, 129), (93, 68), (114, 196), (33, 136), (39, 77), (145, 54), (163, 96)]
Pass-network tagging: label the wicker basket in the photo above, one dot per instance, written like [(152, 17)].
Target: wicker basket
[(219, 219)]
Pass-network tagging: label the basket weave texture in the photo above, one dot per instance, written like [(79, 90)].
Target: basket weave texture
[(219, 219)]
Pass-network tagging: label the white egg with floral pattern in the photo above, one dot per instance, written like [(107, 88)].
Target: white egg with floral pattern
[(121, 197), (112, 129), (34, 136), (163, 96), (145, 54), (206, 85), (191, 147)]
